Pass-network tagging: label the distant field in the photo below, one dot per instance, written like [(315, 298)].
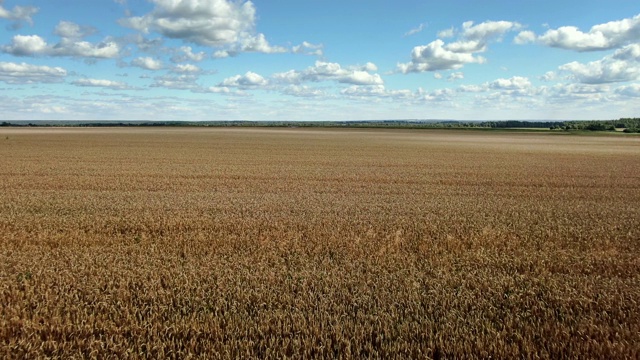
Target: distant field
[(318, 243)]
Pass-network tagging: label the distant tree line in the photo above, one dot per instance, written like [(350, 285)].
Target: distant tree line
[(521, 124), (630, 125)]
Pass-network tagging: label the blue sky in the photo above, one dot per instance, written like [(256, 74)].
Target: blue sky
[(319, 59)]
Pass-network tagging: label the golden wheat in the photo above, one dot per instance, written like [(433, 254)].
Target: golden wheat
[(250, 243)]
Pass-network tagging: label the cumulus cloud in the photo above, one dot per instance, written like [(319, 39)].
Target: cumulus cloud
[(34, 45), (605, 36), (25, 45), (435, 57), (215, 90), (70, 30), (473, 39), (247, 81), (448, 33), (525, 37), (228, 25), (308, 48), (623, 65), (147, 63), (18, 14), (204, 22), (455, 76), (103, 50), (22, 73), (549, 76), (257, 43), (514, 86), (186, 68), (185, 53), (115, 85), (326, 71), (214, 23), (514, 83), (487, 30)]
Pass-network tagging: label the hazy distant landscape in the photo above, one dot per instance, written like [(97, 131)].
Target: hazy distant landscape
[(626, 125), (225, 242)]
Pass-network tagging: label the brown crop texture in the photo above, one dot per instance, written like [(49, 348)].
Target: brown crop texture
[(260, 243)]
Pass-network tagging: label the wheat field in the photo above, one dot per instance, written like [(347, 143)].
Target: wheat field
[(318, 243)]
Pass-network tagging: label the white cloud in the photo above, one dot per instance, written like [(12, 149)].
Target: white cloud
[(186, 54), (70, 30), (487, 30), (257, 43), (25, 45), (379, 91), (359, 91), (415, 30), (218, 90), (226, 24), (34, 45), (22, 73), (147, 63), (515, 86), (448, 33), (440, 95), (204, 22), (610, 35), (248, 80), (221, 54), (467, 46), (434, 57), (578, 94), (623, 65), (303, 91), (549, 76), (632, 90), (103, 50), (186, 68), (326, 71), (472, 88), (308, 48), (514, 83), (437, 75), (18, 13), (525, 37), (437, 55), (580, 89), (455, 76), (251, 43), (179, 82), (359, 77), (369, 67), (116, 85)]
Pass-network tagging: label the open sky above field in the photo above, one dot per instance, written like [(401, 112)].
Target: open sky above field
[(319, 59)]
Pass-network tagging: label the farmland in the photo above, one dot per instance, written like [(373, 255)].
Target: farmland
[(324, 243)]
